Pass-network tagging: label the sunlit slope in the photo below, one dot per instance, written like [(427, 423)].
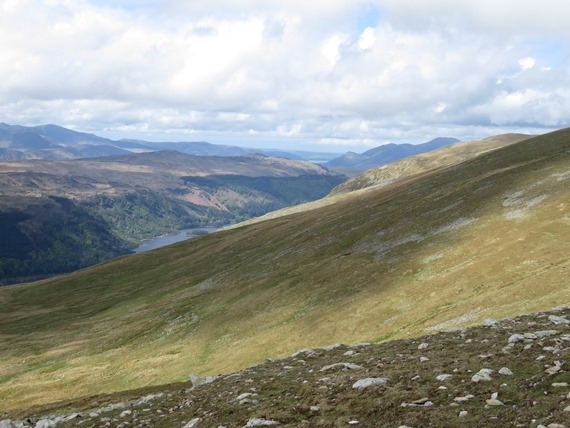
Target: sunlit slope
[(486, 238), (444, 157)]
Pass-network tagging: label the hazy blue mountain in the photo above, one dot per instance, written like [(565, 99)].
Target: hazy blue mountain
[(55, 142), (385, 154)]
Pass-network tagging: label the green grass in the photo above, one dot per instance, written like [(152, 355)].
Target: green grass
[(384, 263), (287, 390)]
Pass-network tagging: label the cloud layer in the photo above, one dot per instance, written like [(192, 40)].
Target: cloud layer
[(334, 75)]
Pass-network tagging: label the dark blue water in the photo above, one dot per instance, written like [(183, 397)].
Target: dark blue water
[(161, 241)]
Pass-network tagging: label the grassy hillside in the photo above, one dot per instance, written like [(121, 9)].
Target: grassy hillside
[(420, 382), (444, 157), (447, 248)]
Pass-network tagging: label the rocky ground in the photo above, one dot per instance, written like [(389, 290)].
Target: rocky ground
[(507, 373)]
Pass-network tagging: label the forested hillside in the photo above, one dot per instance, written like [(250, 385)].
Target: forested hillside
[(59, 216)]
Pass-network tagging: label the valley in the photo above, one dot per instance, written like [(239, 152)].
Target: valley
[(136, 197), (441, 249)]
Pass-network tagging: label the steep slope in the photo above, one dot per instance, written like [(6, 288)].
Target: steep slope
[(443, 249), (423, 162)]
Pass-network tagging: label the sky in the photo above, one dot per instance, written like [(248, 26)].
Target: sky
[(329, 76)]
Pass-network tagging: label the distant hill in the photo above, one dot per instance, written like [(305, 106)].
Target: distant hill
[(438, 251), (57, 143), (421, 163), (385, 154), (138, 196)]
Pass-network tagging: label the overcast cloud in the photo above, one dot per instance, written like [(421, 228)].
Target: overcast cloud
[(331, 75)]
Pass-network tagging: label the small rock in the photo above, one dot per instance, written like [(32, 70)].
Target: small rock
[(560, 384), (558, 320), (365, 383), (463, 413), (482, 375), (545, 333), (349, 353), (353, 422), (316, 408), (344, 366), (45, 423), (505, 371), (8, 423), (491, 323), (423, 359), (423, 345), (494, 402), (443, 377), (199, 381), (193, 423), (260, 422), (556, 426), (552, 370), (530, 336), (464, 399), (516, 338), (244, 395), (567, 409), (125, 413), (306, 351)]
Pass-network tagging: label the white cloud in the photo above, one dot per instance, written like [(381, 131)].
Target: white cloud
[(289, 71)]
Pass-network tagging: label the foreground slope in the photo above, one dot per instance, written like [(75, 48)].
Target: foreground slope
[(483, 239), (417, 382)]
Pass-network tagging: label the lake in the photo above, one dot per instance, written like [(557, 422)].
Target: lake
[(184, 234)]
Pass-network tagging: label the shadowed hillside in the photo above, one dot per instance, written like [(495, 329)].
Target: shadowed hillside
[(439, 250), (136, 197)]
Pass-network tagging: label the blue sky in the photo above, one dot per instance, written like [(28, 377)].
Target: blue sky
[(332, 75)]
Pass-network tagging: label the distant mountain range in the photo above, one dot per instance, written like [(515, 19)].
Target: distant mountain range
[(351, 162), (56, 143)]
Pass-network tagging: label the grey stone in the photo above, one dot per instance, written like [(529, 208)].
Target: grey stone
[(306, 351), (506, 371), (199, 381), (260, 422), (558, 320), (343, 366), (193, 423), (545, 333), (147, 399), (482, 375), (491, 323), (443, 377), (516, 338), (365, 383), (8, 423)]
